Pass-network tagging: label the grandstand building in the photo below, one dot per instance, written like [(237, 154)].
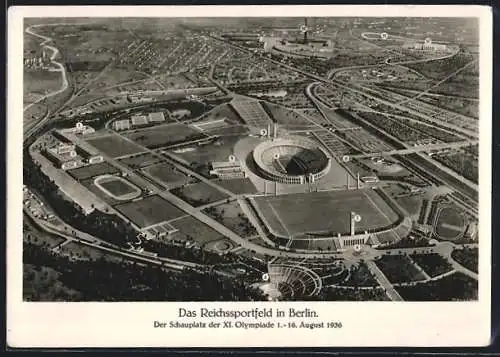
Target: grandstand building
[(157, 117), (121, 125), (425, 46), (471, 230), (291, 160), (138, 120), (89, 155), (228, 170), (158, 231), (72, 151), (77, 130), (64, 156)]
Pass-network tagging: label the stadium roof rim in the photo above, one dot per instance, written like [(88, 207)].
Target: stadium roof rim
[(296, 141)]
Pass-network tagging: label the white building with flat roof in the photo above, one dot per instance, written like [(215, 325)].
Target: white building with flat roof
[(156, 117), (138, 120), (228, 170), (121, 124)]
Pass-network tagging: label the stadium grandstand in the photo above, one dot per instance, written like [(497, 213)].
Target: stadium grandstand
[(291, 160), (121, 125), (139, 120), (294, 281), (156, 117), (158, 231), (252, 113), (228, 170)]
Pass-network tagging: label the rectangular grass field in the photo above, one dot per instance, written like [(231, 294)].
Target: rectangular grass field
[(164, 135), (149, 211), (199, 231), (199, 193), (166, 173), (115, 146), (327, 211), (141, 160), (83, 173), (118, 187)]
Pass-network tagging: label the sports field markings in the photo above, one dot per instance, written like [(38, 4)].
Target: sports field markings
[(280, 221), (382, 212), (280, 164), (178, 218), (445, 225), (452, 227)]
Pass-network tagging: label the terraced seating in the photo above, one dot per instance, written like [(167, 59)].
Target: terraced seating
[(294, 280)]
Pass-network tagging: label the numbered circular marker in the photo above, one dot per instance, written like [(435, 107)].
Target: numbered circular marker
[(428, 41), (79, 125), (276, 156), (232, 158), (357, 218), (263, 132), (384, 35), (265, 276), (346, 158), (357, 247)]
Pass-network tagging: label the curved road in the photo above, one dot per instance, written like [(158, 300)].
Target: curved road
[(331, 74), (60, 67)]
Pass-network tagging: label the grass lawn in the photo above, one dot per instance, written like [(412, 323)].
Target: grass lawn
[(164, 135), (115, 146), (231, 216), (237, 186), (199, 194), (410, 204), (149, 211), (450, 224), (190, 227), (323, 212), (433, 264), (118, 187), (86, 172), (399, 269), (166, 173)]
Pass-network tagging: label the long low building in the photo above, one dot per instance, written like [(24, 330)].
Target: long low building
[(228, 170), (138, 120), (64, 155), (87, 152), (121, 124), (156, 117), (84, 198)]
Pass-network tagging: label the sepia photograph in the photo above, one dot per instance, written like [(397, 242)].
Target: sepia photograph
[(251, 159)]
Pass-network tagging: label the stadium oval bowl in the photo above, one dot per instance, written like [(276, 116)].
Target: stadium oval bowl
[(291, 160)]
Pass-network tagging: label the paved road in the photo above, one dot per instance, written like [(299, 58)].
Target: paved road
[(86, 239), (193, 211), (426, 158), (423, 148), (174, 161), (384, 282), (311, 95), (359, 90), (444, 249), (438, 83), (247, 210)]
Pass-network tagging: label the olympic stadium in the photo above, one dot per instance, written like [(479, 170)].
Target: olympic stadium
[(291, 160)]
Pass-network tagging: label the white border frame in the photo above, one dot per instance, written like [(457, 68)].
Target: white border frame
[(131, 324)]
